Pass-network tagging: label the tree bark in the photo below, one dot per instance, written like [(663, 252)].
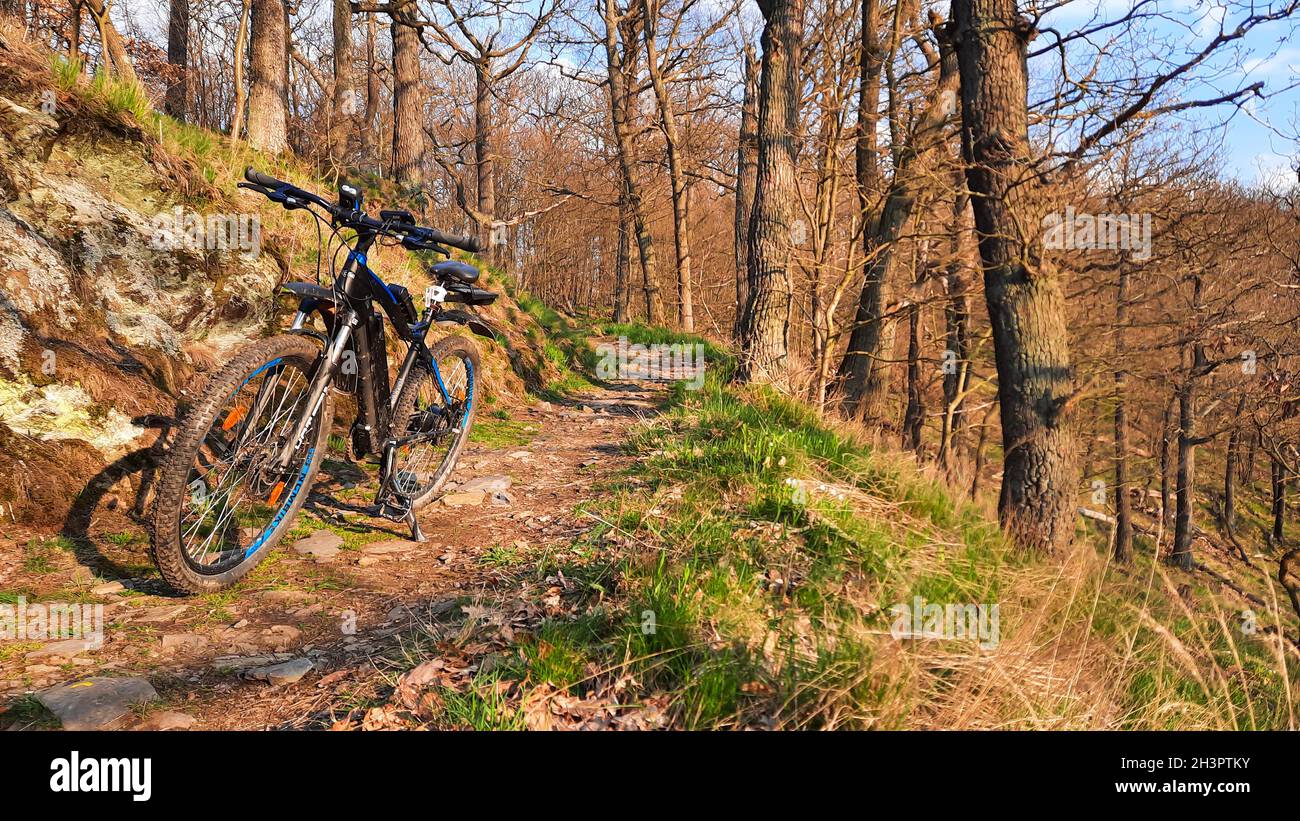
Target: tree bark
[(1185, 484), (765, 332), (484, 149), (1278, 473), (178, 59), (676, 168), (74, 31), (1123, 510), (746, 172), (408, 101), (241, 95), (267, 115), (345, 96), (1230, 470), (620, 66), (622, 262), (1025, 304), (114, 47), (956, 374)]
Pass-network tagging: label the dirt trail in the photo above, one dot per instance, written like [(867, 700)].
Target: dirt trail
[(346, 612)]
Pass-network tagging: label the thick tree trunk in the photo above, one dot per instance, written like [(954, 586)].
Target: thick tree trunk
[(765, 332), (241, 94), (746, 172), (408, 102), (267, 116), (178, 59), (345, 97), (484, 131), (621, 71), (1025, 305)]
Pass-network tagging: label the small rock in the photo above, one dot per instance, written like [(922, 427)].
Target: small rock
[(151, 615), (283, 596), (168, 720), (83, 575), (323, 544), (502, 499), (239, 625), (459, 499), (486, 484), (282, 636), (284, 673), (107, 588), (521, 455), (367, 561), (96, 703), (390, 546), (188, 641), (223, 663), (65, 649)]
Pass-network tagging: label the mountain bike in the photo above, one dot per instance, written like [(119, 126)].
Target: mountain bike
[(246, 454)]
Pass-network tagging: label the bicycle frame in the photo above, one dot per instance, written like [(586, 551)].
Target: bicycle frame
[(353, 325)]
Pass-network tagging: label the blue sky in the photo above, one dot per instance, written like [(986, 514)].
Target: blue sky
[(1257, 142)]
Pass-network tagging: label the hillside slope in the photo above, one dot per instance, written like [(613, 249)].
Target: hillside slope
[(129, 266)]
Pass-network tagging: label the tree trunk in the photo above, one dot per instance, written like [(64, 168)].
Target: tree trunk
[(914, 416), (241, 95), (267, 116), (74, 31), (676, 168), (622, 261), (1278, 472), (765, 331), (863, 373), (1230, 470), (345, 96), (1166, 470), (746, 171), (1185, 485), (178, 59), (1025, 305), (114, 47), (408, 102), (956, 371), (1123, 510), (622, 72), (483, 149)]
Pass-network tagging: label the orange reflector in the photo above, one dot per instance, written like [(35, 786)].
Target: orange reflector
[(275, 493), (233, 418)]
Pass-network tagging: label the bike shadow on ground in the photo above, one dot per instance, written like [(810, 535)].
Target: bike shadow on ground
[(142, 463)]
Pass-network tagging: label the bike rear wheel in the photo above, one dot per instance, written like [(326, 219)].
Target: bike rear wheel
[(440, 402), (232, 481)]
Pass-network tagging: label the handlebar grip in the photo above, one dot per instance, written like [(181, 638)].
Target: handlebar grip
[(470, 244), (258, 178)]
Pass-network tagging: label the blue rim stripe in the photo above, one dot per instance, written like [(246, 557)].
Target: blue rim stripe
[(266, 534)]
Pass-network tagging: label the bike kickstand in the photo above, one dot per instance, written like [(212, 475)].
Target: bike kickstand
[(417, 535)]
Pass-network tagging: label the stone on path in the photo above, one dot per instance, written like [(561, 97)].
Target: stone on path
[(96, 703), (390, 546), (187, 641), (284, 673), (486, 484), (64, 649), (323, 544), (168, 720), (464, 499), (151, 615)]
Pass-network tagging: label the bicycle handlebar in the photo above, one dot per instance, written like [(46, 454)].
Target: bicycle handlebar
[(414, 237)]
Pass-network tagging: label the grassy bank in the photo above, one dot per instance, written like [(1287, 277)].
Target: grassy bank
[(746, 574)]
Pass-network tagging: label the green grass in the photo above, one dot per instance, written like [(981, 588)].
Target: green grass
[(502, 433), (41, 555)]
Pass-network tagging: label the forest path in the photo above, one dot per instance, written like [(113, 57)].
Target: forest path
[(352, 610)]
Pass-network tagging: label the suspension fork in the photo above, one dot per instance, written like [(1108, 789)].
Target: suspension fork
[(325, 373)]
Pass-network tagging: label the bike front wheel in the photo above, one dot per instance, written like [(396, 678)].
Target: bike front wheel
[(233, 481), (435, 412)]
